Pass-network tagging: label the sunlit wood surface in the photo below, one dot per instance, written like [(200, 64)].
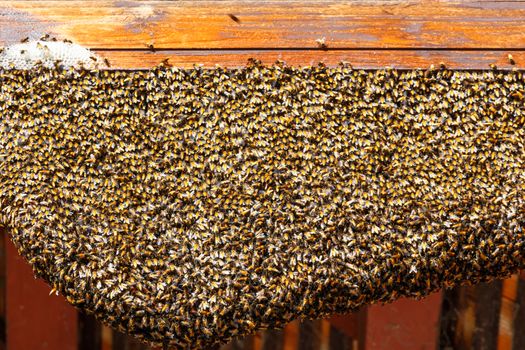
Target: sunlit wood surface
[(369, 34)]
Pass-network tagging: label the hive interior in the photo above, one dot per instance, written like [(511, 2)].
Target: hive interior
[(191, 206)]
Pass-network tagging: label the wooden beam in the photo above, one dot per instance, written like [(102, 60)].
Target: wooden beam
[(366, 59), (35, 319), (488, 305), (89, 332), (269, 24), (518, 341), (291, 336), (348, 324), (404, 324), (272, 339), (509, 294), (465, 307)]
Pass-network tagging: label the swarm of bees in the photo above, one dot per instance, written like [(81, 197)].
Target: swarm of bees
[(191, 206)]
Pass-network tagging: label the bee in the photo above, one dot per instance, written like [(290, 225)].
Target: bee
[(511, 59), (321, 43), (106, 62), (234, 18), (25, 40), (151, 47), (165, 62)]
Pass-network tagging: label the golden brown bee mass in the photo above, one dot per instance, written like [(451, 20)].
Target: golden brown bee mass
[(191, 206)]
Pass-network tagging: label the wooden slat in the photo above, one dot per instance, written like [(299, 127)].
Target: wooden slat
[(465, 307), (448, 318), (107, 338), (404, 324), (310, 334), (402, 59), (35, 319), (325, 335), (518, 341), (2, 289), (272, 340), (488, 304), (509, 294), (339, 340), (269, 24), (291, 336), (348, 324), (89, 332), (257, 340)]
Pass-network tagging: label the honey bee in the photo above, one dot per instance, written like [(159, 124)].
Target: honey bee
[(321, 43), (234, 18)]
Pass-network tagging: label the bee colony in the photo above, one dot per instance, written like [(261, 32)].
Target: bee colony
[(191, 206)]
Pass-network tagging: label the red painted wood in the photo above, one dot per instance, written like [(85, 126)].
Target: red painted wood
[(406, 324), (348, 324), (35, 320)]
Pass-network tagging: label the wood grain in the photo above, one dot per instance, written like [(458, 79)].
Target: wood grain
[(488, 305), (310, 335), (89, 332), (269, 24), (366, 59), (509, 294), (272, 339), (518, 341)]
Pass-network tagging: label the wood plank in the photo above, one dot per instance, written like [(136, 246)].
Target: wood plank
[(448, 318), (466, 318), (310, 334), (257, 340), (488, 304), (325, 335), (404, 324), (2, 289), (339, 340), (366, 59), (35, 319), (348, 324), (89, 332), (107, 338), (272, 339), (518, 341), (508, 306), (291, 336), (269, 24)]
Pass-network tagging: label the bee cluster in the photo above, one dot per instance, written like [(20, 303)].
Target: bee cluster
[(191, 206)]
